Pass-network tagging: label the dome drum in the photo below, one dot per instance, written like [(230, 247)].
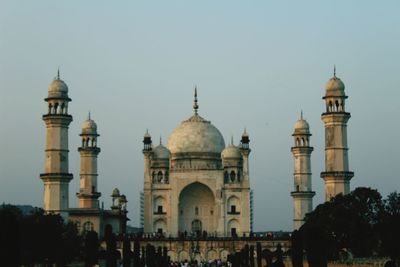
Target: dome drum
[(160, 163), (190, 161), (233, 163)]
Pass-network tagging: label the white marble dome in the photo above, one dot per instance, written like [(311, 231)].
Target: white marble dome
[(196, 135), (58, 88), (301, 124), (161, 152), (301, 127), (89, 127), (334, 87), (231, 152)]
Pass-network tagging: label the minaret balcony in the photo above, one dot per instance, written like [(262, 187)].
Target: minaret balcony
[(93, 195), (93, 149), (302, 194), (56, 176), (345, 175)]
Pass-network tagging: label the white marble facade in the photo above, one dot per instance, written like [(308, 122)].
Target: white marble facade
[(195, 183)]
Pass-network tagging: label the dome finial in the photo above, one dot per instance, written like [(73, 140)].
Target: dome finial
[(160, 140), (334, 70), (245, 132), (89, 115), (195, 105), (301, 114), (58, 73)]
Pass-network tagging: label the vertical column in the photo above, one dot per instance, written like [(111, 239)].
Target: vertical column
[(302, 194), (56, 176), (147, 152), (336, 175), (88, 194)]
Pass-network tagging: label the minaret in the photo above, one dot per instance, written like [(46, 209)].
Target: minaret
[(88, 194), (56, 177), (336, 175), (147, 152), (302, 194), (245, 149)]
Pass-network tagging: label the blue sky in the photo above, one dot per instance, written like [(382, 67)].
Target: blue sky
[(256, 64)]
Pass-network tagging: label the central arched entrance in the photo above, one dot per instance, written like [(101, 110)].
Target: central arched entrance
[(196, 226), (196, 209)]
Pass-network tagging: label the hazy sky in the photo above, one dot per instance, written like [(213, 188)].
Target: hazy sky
[(256, 64)]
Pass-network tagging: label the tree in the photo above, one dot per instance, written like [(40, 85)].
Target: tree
[(348, 221), (297, 249), (136, 253), (126, 252), (111, 243), (91, 249), (37, 238), (10, 217), (317, 243), (389, 229), (259, 254)]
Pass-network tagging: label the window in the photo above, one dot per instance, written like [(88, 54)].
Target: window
[(226, 177), (196, 210), (233, 209), (159, 209), (233, 232), (232, 176)]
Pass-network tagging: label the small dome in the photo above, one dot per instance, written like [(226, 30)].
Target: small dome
[(89, 127), (58, 88), (146, 134), (196, 135), (231, 152), (115, 193), (161, 152), (301, 124), (334, 87), (301, 127)]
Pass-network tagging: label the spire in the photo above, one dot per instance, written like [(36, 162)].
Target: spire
[(231, 139), (58, 73), (88, 115), (245, 132), (160, 140), (195, 105), (301, 115), (334, 70)]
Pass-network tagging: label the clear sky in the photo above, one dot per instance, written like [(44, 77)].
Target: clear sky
[(256, 64)]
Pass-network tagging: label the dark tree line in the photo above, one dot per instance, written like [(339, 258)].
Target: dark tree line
[(36, 238), (360, 223)]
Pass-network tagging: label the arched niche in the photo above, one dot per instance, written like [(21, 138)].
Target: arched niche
[(196, 202)]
